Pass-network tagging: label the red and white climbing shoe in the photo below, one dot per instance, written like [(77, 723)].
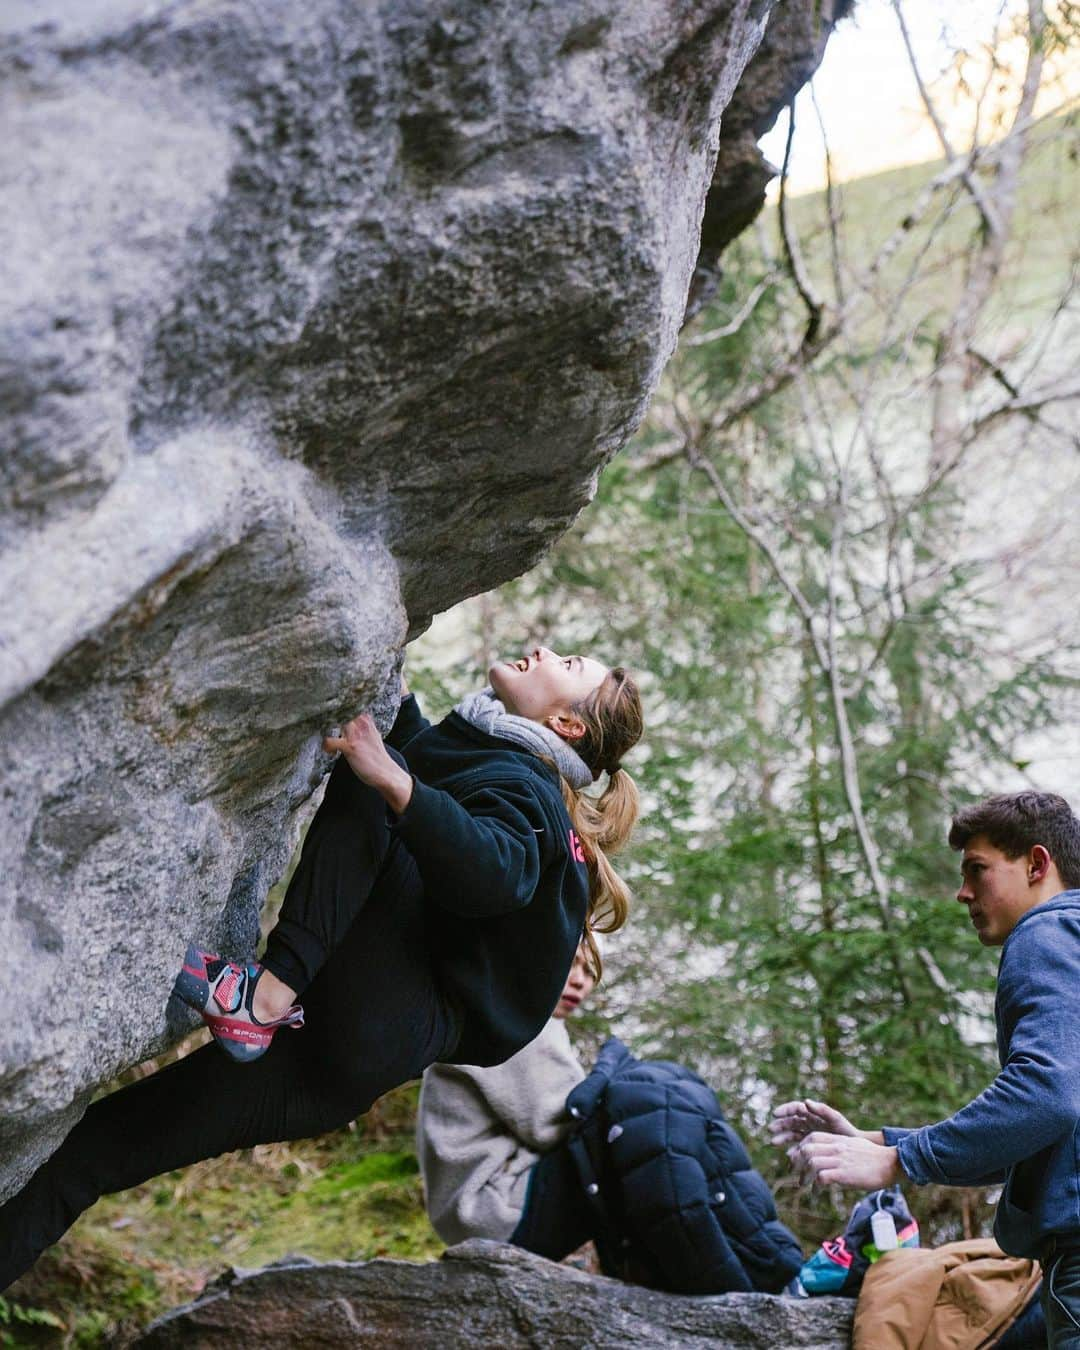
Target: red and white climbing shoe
[(223, 992)]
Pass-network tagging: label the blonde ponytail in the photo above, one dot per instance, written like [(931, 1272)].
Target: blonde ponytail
[(613, 724)]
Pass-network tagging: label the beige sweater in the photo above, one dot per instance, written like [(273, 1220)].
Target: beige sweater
[(479, 1131)]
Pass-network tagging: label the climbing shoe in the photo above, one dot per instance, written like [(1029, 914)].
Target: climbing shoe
[(222, 992)]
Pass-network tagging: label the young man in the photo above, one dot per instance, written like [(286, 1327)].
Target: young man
[(1021, 887)]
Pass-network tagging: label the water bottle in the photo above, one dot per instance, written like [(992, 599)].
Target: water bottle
[(883, 1230)]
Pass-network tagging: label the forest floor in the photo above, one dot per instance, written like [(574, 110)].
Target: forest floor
[(350, 1195)]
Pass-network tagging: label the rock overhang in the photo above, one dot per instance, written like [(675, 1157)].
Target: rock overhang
[(317, 318)]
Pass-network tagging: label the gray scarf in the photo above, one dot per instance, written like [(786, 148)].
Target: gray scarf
[(485, 712)]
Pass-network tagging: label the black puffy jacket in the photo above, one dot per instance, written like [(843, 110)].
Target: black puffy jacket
[(677, 1204)]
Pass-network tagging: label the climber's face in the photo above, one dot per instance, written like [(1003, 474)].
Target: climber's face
[(547, 687), (579, 985)]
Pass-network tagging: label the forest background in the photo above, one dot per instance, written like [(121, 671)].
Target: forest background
[(840, 555)]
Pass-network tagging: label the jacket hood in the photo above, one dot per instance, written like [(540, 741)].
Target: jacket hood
[(1066, 900), (613, 1056)]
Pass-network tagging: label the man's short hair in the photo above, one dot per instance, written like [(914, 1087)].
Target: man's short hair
[(1016, 821)]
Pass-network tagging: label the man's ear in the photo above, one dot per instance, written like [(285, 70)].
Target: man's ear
[(1038, 863), (566, 725)]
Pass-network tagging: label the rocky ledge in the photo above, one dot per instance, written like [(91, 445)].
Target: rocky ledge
[(482, 1294)]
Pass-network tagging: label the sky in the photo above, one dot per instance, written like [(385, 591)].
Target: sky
[(867, 95)]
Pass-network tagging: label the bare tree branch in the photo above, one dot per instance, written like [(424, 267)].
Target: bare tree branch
[(785, 370), (1028, 405), (732, 327), (988, 363), (832, 210), (1037, 350), (810, 298), (984, 262), (986, 208)]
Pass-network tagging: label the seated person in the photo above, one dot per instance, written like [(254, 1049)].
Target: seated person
[(482, 1132), (538, 1153)]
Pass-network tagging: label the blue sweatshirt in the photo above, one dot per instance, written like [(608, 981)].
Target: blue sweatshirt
[(506, 896), (1024, 1130)]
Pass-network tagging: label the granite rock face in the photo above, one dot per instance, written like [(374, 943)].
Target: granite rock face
[(787, 58), (482, 1294), (317, 317)]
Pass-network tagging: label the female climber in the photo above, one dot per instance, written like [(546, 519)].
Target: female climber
[(443, 888)]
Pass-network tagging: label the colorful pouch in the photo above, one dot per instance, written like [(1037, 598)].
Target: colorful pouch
[(840, 1264)]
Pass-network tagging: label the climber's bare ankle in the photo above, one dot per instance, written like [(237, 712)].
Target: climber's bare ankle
[(272, 997)]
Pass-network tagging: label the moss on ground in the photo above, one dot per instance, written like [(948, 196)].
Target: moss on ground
[(351, 1195)]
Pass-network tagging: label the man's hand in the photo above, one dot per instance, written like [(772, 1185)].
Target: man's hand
[(369, 759), (846, 1160), (792, 1121)]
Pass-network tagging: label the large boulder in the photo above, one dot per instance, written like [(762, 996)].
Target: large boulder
[(317, 317), (481, 1295)]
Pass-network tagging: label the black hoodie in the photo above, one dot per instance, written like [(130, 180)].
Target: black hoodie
[(507, 895)]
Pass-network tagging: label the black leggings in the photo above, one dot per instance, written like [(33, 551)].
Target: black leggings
[(556, 1219), (353, 923)]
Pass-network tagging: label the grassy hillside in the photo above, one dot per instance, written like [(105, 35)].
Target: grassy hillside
[(1043, 244)]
